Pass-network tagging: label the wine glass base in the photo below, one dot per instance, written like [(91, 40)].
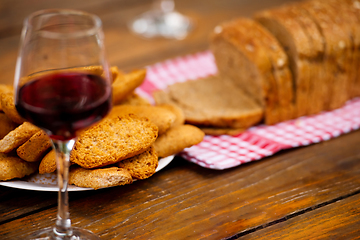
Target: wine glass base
[(156, 23), (77, 234)]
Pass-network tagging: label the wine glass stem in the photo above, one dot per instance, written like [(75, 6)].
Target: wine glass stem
[(62, 228)]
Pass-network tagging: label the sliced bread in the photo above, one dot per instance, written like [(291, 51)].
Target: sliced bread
[(347, 21), (282, 24), (317, 71), (336, 58), (212, 102), (280, 66), (246, 64), (141, 166), (351, 9)]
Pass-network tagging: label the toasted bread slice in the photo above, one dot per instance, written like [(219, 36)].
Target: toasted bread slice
[(125, 84), (113, 140), (177, 139), (161, 117), (17, 137), (180, 117), (5, 88), (99, 178), (48, 163), (8, 106), (14, 167), (34, 148), (6, 125), (141, 166), (135, 99)]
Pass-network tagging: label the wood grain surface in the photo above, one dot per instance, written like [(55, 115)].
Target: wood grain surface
[(303, 193)]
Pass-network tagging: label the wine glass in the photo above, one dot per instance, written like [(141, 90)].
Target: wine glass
[(62, 85), (162, 21)]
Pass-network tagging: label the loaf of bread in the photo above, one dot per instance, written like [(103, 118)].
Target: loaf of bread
[(294, 60)]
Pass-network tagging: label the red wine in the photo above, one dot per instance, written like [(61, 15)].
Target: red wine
[(64, 103)]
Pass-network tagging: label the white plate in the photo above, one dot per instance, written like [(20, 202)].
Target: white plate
[(47, 182)]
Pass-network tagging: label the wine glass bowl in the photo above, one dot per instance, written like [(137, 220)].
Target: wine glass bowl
[(62, 85), (68, 102), (162, 21)]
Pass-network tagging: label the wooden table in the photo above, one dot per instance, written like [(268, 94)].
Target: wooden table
[(310, 192)]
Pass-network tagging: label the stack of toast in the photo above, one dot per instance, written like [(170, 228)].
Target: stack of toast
[(124, 146)]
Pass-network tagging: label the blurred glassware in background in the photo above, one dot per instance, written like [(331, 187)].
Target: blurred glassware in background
[(162, 21)]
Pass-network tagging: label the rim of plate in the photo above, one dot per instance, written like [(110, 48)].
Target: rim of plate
[(28, 185)]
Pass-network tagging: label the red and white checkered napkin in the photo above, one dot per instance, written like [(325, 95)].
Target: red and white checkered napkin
[(221, 152)]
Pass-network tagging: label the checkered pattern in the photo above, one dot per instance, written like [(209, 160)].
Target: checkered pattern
[(222, 152), (180, 69)]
